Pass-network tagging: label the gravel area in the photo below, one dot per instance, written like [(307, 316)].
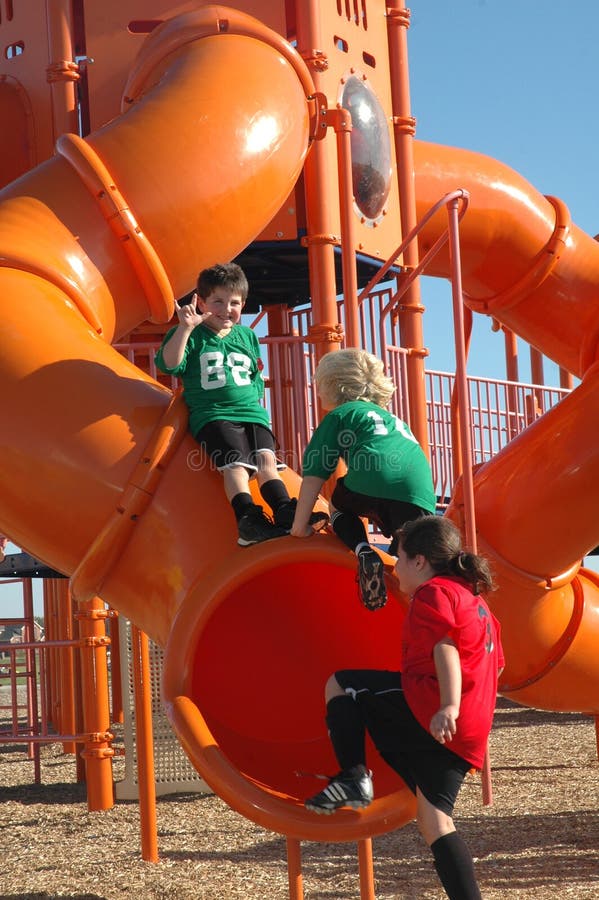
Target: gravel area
[(540, 836)]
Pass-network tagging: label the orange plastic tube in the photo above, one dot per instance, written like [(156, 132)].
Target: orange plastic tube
[(98, 475), (527, 265)]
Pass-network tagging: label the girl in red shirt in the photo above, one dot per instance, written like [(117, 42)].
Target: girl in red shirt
[(430, 722)]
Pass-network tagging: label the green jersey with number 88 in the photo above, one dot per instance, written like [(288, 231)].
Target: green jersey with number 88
[(221, 377)]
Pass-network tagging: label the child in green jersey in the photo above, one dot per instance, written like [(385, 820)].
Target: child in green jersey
[(388, 478), (218, 361)]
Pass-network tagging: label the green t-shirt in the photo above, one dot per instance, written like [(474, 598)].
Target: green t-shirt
[(383, 457), (221, 376)]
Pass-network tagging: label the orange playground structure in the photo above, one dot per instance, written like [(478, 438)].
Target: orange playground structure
[(145, 139)]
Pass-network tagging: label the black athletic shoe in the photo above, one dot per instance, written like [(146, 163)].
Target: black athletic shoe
[(370, 578), (345, 789), (255, 527), (285, 514)]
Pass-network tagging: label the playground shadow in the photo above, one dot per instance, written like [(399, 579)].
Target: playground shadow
[(32, 794), (46, 896), (543, 853)]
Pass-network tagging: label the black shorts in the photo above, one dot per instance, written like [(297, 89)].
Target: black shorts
[(236, 443), (387, 515), (401, 740)]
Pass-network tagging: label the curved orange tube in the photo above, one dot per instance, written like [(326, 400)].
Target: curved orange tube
[(527, 265), (102, 237)]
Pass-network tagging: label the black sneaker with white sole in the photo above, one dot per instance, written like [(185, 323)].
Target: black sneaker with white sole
[(285, 514), (352, 788), (255, 527)]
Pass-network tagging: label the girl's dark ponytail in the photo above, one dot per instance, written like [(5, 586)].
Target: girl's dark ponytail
[(472, 568)]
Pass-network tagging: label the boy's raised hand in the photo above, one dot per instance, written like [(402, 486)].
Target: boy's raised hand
[(188, 314)]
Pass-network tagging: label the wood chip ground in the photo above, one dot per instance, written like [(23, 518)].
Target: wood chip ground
[(538, 840)]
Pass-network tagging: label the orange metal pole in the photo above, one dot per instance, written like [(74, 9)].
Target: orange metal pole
[(511, 363), (144, 743), (66, 666), (78, 700), (411, 310), (62, 71), (294, 869), (96, 719), (31, 680), (465, 419), (283, 421), (320, 241), (341, 121), (366, 869), (565, 379), (537, 376), (116, 691)]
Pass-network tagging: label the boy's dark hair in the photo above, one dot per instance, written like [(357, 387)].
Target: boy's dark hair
[(439, 541), (228, 275)]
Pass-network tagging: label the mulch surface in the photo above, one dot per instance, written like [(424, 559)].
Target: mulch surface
[(540, 837)]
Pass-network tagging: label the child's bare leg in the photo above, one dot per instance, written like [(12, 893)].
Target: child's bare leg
[(237, 481)]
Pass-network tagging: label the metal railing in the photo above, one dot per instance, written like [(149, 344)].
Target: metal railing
[(500, 409)]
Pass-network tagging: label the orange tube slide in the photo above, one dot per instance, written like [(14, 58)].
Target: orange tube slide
[(98, 475), (527, 265)]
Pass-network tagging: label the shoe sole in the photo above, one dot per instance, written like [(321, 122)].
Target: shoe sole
[(372, 599), (243, 543), (329, 810), (319, 524)]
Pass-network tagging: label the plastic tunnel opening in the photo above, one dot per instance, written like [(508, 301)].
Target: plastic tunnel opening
[(261, 663)]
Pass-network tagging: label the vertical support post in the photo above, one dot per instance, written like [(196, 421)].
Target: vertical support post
[(465, 418), (33, 750), (511, 365), (281, 389), (319, 240), (343, 127), (366, 869), (62, 71), (116, 691), (294, 869), (565, 379), (96, 720), (410, 317), (144, 743), (66, 665)]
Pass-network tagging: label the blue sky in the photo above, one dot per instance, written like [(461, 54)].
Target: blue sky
[(516, 82)]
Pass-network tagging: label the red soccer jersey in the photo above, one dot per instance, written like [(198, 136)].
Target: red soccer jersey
[(445, 607)]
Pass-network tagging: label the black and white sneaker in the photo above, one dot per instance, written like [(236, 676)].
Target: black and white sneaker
[(351, 788), (255, 527), (285, 515), (371, 580)]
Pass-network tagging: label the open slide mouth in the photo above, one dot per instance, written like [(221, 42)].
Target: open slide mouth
[(252, 660)]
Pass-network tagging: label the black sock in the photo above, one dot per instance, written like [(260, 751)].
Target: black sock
[(349, 528), (346, 731), (275, 493), (240, 503), (453, 862)]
